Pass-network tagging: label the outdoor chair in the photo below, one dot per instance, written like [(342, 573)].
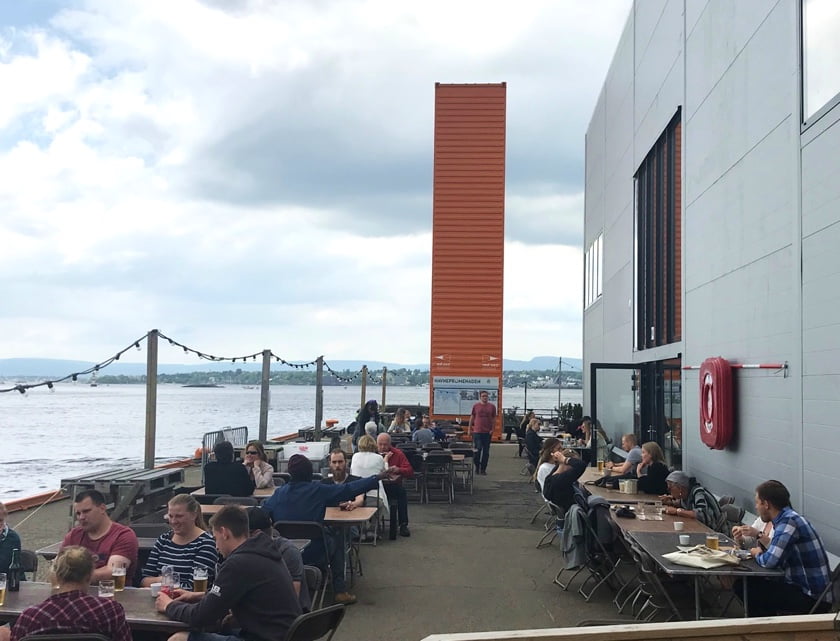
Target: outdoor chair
[(554, 524), (279, 479), (314, 532), (833, 588), (438, 472), (29, 562), (653, 595), (464, 470), (245, 501), (150, 530), (434, 445), (415, 486), (208, 499), (316, 624), (313, 577)]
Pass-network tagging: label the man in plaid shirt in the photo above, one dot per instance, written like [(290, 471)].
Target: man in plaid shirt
[(796, 548)]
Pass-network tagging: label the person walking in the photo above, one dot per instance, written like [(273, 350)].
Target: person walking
[(482, 422)]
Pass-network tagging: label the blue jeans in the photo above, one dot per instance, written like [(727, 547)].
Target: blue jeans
[(481, 443)]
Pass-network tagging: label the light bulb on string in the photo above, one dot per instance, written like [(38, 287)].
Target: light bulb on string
[(137, 345)]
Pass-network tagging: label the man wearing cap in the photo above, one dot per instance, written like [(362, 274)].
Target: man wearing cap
[(302, 500), (796, 548), (692, 501)]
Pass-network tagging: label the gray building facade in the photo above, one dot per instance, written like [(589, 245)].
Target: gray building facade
[(712, 228)]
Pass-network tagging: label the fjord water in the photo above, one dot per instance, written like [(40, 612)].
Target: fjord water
[(77, 429)]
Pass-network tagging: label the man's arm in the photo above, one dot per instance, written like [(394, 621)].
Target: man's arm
[(124, 552), (777, 551)]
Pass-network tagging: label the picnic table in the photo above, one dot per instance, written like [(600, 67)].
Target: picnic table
[(260, 492), (145, 543)]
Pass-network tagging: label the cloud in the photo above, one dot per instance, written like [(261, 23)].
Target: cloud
[(261, 172)]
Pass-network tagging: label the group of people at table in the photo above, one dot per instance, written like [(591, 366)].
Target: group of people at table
[(779, 538), (256, 581)]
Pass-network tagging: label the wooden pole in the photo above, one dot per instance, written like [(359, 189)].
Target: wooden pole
[(319, 396), (559, 390), (364, 386), (151, 398), (265, 394), (384, 385)]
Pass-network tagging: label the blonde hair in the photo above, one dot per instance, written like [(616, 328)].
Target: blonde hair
[(193, 507), (74, 564), (367, 444), (534, 421), (655, 451)]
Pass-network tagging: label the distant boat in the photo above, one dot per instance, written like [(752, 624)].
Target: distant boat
[(203, 385), (93, 382)]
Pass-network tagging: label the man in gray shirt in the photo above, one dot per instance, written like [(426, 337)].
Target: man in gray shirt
[(634, 456), (423, 434)]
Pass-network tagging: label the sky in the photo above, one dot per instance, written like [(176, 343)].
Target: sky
[(250, 174)]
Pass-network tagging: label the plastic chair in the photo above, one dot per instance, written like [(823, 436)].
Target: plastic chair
[(314, 532), (245, 501), (316, 624), (314, 577)]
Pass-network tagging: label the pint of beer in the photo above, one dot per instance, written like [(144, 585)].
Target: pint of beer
[(600, 466), (118, 574), (199, 579), (712, 541), (2, 588)]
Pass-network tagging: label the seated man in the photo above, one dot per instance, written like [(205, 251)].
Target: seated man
[(634, 456), (260, 521), (423, 434), (224, 476), (796, 547), (252, 583), (399, 468), (9, 540), (339, 476), (692, 501), (110, 543), (302, 500)]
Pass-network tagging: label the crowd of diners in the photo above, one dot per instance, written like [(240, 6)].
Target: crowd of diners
[(779, 537)]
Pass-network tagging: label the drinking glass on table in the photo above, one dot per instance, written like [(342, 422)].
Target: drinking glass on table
[(199, 579), (2, 588), (106, 589), (118, 575)]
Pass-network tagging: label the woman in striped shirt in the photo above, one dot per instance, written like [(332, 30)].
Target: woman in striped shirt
[(186, 546)]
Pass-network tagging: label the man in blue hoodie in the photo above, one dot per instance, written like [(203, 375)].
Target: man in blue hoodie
[(303, 500)]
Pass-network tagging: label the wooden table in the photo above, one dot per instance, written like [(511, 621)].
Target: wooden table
[(346, 518), (49, 552), (655, 544), (260, 492), (139, 607)]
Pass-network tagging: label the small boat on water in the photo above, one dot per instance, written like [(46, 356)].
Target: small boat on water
[(203, 385)]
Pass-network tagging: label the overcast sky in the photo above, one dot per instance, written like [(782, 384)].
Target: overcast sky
[(249, 174)]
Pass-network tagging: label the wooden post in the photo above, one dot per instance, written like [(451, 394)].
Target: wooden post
[(151, 398), (384, 385), (319, 396), (559, 389), (364, 386), (265, 394)]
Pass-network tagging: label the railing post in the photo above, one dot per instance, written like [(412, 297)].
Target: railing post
[(319, 396), (384, 385), (265, 394), (364, 386), (151, 398)]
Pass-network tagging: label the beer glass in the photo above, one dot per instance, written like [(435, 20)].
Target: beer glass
[(2, 588), (106, 589), (118, 575), (199, 579), (600, 466), (712, 541)]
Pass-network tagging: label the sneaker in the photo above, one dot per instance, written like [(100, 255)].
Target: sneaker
[(404, 531), (345, 598)]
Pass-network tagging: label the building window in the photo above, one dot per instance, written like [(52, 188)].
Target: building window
[(821, 54), (593, 267), (658, 264)]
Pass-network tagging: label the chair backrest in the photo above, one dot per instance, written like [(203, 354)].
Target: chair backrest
[(248, 501), (432, 446), (317, 477), (66, 636), (314, 576), (150, 530), (279, 479), (300, 530), (29, 562), (208, 499), (316, 624)]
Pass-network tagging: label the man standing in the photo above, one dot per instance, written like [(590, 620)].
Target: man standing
[(482, 422), (253, 583), (399, 468), (110, 543), (795, 547)]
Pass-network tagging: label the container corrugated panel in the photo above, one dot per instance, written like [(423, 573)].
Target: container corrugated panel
[(468, 231)]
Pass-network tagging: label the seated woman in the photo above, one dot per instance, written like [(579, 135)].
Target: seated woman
[(401, 423), (224, 475), (185, 547), (72, 609), (588, 428), (559, 486), (533, 441), (691, 500), (368, 462), (652, 471), (257, 465), (546, 464)]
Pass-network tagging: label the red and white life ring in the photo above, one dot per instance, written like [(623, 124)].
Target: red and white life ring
[(716, 403)]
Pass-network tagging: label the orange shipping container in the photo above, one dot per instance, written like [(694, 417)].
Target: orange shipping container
[(468, 231)]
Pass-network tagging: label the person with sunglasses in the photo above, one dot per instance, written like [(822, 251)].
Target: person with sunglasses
[(257, 465)]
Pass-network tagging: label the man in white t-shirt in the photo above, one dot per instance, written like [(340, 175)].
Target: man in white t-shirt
[(634, 456)]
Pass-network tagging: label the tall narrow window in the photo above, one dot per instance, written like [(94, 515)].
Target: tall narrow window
[(821, 54), (593, 262), (658, 241)]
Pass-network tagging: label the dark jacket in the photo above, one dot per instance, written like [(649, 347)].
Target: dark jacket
[(559, 488), (533, 441), (227, 478), (10, 542), (653, 482), (255, 585)]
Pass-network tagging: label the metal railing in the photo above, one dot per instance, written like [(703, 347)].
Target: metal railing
[(238, 437)]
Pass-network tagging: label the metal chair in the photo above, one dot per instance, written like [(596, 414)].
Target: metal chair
[(316, 624), (279, 479), (29, 562), (150, 530), (245, 501), (208, 499), (314, 532), (438, 469), (553, 525), (465, 470), (417, 483), (313, 577)]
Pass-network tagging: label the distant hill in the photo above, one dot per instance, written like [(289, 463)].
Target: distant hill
[(56, 368)]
